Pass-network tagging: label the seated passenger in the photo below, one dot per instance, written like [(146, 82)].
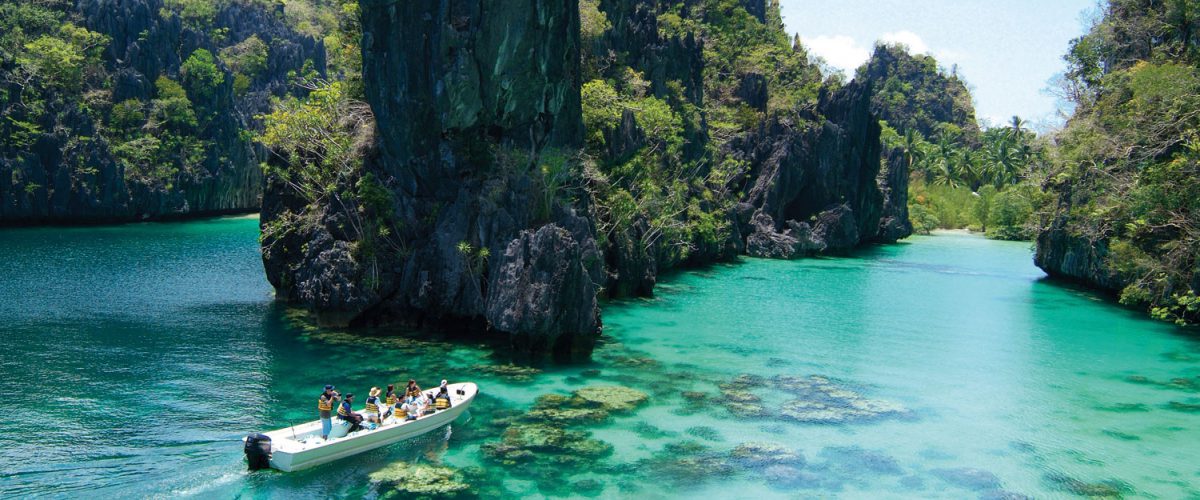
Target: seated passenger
[(424, 405), (442, 400), (413, 390), (372, 410), (346, 412), (390, 401), (411, 409)]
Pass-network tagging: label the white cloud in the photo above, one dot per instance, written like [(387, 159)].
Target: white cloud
[(847, 54), (840, 51), (914, 42), (917, 45)]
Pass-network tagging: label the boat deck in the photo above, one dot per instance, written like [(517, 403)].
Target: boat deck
[(307, 436)]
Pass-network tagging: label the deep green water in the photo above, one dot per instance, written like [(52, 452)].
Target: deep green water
[(134, 357)]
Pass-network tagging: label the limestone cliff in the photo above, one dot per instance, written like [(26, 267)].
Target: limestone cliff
[(71, 171), (486, 203), (477, 135), (814, 183)]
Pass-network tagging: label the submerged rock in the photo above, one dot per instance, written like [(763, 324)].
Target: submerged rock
[(706, 433), (856, 460), (1183, 407), (971, 479), (514, 373), (545, 444), (763, 454), (685, 464), (613, 398), (1103, 489), (408, 480), (822, 401)]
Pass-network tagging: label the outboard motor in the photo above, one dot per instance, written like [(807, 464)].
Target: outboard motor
[(258, 451)]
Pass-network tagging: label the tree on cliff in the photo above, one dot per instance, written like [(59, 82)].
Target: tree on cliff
[(1126, 213)]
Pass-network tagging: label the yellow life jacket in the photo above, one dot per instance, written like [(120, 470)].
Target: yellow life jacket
[(441, 403), (412, 392), (342, 411), (372, 405), (324, 404), (392, 399)]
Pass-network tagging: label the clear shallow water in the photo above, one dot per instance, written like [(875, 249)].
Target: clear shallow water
[(135, 357)]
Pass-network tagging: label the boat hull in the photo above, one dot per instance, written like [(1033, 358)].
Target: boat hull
[(293, 454)]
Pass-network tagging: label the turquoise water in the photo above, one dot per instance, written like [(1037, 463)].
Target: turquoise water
[(946, 367)]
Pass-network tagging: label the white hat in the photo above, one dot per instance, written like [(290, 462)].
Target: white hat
[(443, 382)]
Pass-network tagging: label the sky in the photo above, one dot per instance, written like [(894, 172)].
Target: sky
[(1006, 50)]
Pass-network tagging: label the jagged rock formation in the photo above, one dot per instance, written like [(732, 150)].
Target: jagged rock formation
[(815, 179), (813, 183), (1075, 257), (893, 183), (478, 127), (911, 94), (60, 179), (477, 104)]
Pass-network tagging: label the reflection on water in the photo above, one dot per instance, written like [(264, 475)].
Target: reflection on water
[(945, 367)]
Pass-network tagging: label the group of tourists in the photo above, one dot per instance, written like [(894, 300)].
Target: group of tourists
[(392, 407)]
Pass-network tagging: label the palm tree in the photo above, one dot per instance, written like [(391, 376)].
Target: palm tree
[(913, 149), (1002, 163), (1017, 131), (969, 169)]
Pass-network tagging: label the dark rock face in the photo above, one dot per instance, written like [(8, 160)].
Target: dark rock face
[(631, 268), (893, 183), (538, 287), (821, 177), (145, 45), (1073, 257), (756, 8), (753, 91), (626, 139), (472, 99), (635, 38), (766, 241)]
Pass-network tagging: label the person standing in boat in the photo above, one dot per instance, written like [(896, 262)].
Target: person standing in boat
[(346, 413), (372, 410), (325, 404)]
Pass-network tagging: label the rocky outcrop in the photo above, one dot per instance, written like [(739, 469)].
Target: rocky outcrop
[(477, 125), (477, 129), (912, 94), (893, 184), (61, 179), (539, 286), (636, 39), (815, 173), (1064, 254)]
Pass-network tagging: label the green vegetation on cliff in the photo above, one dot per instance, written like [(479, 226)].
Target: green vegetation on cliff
[(962, 177), (1126, 215), (657, 130), (137, 108)]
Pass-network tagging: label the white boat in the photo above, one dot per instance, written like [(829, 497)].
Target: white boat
[(300, 447)]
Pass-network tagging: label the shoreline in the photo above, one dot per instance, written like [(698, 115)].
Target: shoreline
[(116, 221)]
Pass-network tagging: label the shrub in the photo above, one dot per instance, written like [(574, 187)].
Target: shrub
[(201, 74)]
